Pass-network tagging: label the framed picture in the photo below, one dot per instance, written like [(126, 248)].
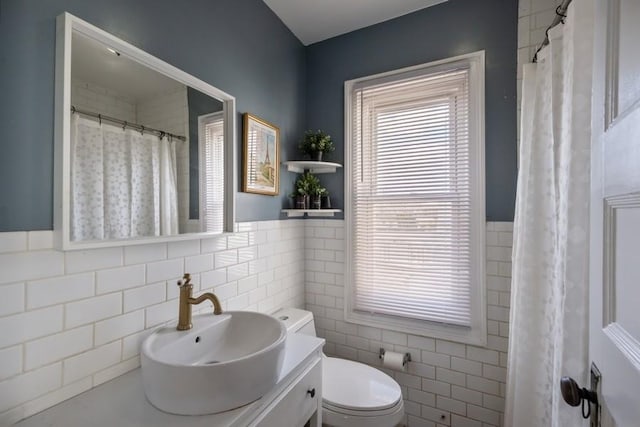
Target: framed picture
[(261, 159)]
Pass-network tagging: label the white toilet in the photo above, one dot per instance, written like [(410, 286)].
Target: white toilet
[(353, 394)]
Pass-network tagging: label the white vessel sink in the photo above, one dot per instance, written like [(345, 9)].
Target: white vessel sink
[(225, 361)]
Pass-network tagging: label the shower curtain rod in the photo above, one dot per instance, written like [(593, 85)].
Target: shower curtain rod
[(126, 124), (561, 13)]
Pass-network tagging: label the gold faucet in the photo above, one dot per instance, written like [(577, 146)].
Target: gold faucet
[(186, 300)]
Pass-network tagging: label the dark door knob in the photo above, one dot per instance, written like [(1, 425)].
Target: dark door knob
[(574, 395)]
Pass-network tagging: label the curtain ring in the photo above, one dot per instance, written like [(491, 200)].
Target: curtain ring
[(162, 134), (73, 109), (100, 118), (124, 126), (142, 131)]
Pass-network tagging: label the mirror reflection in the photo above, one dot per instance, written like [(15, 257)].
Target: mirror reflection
[(147, 152)]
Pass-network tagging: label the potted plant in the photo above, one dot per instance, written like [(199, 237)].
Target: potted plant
[(315, 144), (316, 197), (325, 200), (307, 185)]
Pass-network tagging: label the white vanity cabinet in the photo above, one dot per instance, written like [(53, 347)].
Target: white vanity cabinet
[(300, 401), (294, 400)]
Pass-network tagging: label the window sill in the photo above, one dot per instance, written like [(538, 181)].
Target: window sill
[(475, 336)]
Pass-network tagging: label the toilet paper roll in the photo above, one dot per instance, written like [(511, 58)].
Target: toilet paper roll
[(393, 360)]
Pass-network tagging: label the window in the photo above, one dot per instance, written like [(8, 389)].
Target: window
[(415, 193), (211, 146)]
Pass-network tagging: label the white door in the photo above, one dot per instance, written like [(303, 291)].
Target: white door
[(615, 211)]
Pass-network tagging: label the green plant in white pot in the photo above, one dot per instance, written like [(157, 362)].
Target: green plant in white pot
[(315, 144)]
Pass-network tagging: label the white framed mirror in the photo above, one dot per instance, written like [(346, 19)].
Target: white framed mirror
[(144, 152)]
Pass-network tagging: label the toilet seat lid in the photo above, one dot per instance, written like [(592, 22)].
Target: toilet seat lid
[(356, 386)]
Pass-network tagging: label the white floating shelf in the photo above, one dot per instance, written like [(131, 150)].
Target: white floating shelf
[(310, 212), (300, 166)]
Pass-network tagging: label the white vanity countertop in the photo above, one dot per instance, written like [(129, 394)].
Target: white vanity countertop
[(121, 402)]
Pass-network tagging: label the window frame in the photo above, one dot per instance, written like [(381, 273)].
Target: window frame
[(203, 121), (477, 333)]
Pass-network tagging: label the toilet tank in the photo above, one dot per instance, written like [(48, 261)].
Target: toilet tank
[(296, 320)]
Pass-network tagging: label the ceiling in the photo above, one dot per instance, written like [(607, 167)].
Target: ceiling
[(310, 20), (316, 20), (91, 62)]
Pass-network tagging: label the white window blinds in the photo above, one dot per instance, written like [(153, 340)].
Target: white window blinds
[(212, 173), (411, 196)]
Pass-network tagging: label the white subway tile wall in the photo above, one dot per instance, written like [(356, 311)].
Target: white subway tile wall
[(447, 383), (98, 99), (71, 321)]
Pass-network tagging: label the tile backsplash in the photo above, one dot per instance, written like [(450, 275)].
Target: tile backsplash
[(447, 383), (73, 320)]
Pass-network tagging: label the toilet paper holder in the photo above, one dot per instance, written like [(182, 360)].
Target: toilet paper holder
[(405, 359)]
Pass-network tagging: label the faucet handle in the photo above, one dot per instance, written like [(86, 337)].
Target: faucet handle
[(186, 280)]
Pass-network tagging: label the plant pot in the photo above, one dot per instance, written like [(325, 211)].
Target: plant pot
[(315, 202), (317, 156), (325, 202), (302, 202)]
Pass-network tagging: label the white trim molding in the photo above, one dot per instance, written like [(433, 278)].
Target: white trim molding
[(476, 333), (66, 24)]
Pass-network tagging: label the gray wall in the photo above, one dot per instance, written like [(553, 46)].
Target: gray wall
[(240, 46), (264, 68), (449, 29)]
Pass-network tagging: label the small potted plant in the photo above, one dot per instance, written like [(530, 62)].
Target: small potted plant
[(293, 200), (307, 185), (316, 197), (315, 144), (325, 200)]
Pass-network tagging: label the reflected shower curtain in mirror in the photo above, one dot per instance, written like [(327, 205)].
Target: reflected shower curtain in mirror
[(123, 182)]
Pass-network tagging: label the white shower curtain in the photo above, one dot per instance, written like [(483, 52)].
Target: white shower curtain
[(549, 301), (123, 183)]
